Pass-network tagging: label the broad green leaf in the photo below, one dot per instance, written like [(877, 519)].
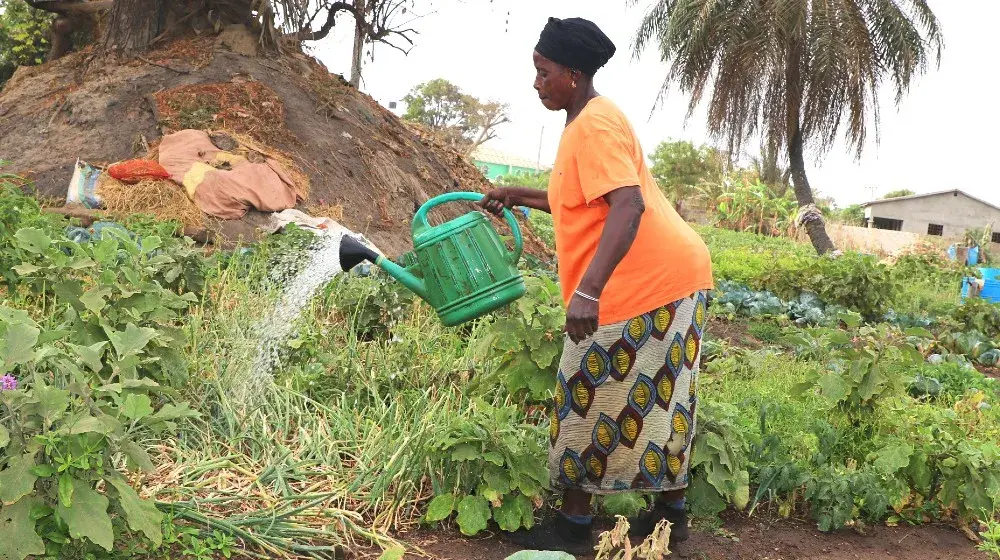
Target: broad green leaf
[(50, 403), (43, 471), (4, 437), (66, 489), (893, 457), (138, 456), (32, 240), (919, 332), (168, 413), (25, 269), (850, 318), (512, 512), (741, 497), (142, 514), (705, 501), (19, 341), (91, 355), (137, 407), (17, 480), (493, 457), (69, 291), (540, 555), (473, 515), (626, 504), (833, 386), (546, 354), (88, 517), (497, 478), (49, 336), (393, 553), (103, 425), (920, 472), (465, 452), (144, 384), (18, 538), (132, 340), (440, 508), (151, 243), (93, 299)]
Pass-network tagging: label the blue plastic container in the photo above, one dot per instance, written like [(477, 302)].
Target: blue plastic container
[(990, 273), (991, 291)]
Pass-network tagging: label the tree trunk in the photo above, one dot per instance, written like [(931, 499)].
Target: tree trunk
[(133, 24), (816, 228), (796, 147), (359, 43)]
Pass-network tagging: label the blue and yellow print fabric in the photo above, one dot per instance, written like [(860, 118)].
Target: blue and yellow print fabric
[(623, 415)]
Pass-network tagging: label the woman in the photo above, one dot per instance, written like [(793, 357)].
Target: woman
[(634, 278)]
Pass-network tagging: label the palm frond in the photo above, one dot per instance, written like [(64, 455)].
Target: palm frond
[(771, 68)]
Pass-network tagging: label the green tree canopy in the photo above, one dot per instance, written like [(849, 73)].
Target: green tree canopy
[(23, 40), (679, 167), (462, 119), (794, 73)]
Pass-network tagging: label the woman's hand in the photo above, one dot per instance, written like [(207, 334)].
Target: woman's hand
[(581, 319), (497, 199)]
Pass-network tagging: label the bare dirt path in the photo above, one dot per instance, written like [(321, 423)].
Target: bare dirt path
[(757, 540)]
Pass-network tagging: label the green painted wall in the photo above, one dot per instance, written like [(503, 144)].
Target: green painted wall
[(494, 170)]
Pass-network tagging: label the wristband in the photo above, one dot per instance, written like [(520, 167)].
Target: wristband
[(586, 297)]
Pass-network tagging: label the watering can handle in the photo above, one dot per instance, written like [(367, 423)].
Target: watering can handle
[(420, 218)]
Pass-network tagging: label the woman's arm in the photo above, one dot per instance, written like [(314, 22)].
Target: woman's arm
[(509, 197), (620, 228)]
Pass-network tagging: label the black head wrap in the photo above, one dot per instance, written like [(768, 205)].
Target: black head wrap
[(575, 43)]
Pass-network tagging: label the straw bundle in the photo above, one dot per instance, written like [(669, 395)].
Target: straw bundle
[(159, 197)]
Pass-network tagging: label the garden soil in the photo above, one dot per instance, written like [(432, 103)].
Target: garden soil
[(757, 539), (362, 163)]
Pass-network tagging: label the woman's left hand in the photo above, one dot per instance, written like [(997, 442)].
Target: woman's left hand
[(581, 319)]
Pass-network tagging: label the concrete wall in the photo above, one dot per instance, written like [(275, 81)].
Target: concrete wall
[(881, 242), (956, 212)]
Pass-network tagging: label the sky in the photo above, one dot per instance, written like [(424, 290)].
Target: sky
[(942, 136)]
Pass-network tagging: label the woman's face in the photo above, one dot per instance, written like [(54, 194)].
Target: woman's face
[(553, 82)]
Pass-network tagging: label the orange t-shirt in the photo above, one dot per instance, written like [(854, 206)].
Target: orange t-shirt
[(598, 153)]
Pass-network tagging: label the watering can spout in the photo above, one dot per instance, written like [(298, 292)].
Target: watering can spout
[(353, 252)]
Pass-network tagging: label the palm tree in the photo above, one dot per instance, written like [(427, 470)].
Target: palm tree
[(792, 72)]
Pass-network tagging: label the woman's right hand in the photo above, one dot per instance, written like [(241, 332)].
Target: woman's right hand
[(497, 199)]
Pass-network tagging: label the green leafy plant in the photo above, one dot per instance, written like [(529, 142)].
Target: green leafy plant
[(980, 315), (719, 464), (61, 434), (111, 295), (529, 340), (493, 468), (991, 536), (854, 281)]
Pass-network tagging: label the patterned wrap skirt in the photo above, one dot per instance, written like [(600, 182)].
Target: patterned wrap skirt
[(623, 416)]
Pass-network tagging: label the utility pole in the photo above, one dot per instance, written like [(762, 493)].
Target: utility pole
[(538, 162)]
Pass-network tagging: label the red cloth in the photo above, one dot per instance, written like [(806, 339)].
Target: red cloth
[(136, 170)]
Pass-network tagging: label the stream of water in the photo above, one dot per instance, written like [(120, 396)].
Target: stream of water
[(317, 266)]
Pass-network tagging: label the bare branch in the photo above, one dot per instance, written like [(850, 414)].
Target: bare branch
[(64, 7)]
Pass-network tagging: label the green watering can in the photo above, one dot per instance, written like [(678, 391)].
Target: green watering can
[(462, 267)]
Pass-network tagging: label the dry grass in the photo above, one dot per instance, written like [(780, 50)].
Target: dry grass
[(321, 210), (162, 198), (243, 107)]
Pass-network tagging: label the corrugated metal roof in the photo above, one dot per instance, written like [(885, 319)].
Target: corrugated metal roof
[(925, 195)]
